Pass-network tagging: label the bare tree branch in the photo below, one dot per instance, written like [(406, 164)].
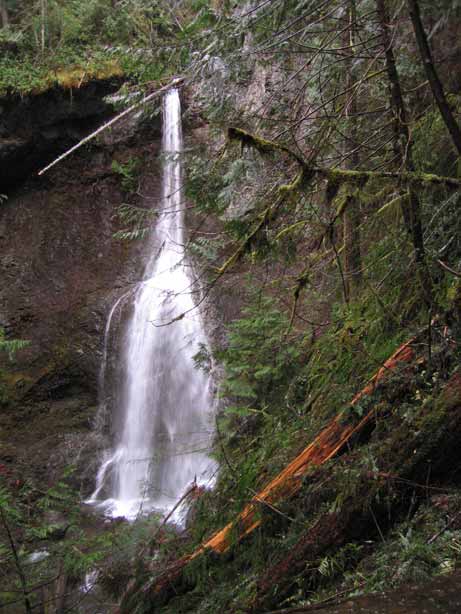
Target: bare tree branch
[(113, 121)]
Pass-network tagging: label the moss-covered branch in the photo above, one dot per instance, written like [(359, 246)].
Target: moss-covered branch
[(268, 214), (340, 175), (262, 145)]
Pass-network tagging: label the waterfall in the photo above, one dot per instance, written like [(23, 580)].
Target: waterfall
[(166, 425)]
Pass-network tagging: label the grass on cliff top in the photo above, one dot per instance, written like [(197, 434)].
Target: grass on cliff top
[(70, 68), (29, 75)]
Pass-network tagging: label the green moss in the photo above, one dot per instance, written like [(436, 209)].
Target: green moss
[(14, 385), (336, 176), (262, 145), (27, 76)]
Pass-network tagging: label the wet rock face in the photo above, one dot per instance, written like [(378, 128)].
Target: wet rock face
[(61, 270), (34, 128), (59, 267)]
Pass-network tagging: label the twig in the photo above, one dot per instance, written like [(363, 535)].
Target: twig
[(340, 268), (223, 450), (19, 569), (168, 516), (377, 525), (273, 508), (447, 268), (443, 529), (332, 600)]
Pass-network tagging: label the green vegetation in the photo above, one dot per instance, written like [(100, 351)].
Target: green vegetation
[(327, 199), (57, 42), (128, 173), (49, 544), (11, 346), (8, 347)]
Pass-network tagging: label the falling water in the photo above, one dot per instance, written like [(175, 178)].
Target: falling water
[(166, 427)]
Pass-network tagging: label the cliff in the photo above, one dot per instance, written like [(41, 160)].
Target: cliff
[(61, 268)]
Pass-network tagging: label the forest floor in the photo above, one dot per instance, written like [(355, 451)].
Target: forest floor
[(440, 595)]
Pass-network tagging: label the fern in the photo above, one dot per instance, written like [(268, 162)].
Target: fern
[(136, 217), (128, 173), (205, 248), (11, 346), (131, 235)]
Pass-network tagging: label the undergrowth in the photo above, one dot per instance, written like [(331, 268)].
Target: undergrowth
[(285, 377)]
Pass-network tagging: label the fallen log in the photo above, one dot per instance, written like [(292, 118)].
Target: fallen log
[(363, 514), (325, 446)]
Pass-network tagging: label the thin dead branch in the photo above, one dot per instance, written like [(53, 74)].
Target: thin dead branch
[(114, 120)]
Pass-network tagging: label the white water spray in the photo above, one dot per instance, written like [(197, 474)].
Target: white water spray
[(166, 427)]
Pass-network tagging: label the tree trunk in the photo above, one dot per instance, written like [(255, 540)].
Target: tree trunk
[(54, 594), (17, 563), (351, 219), (42, 24), (433, 77), (411, 208), (4, 14)]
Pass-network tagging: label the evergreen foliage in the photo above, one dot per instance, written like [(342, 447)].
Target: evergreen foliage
[(329, 206), (11, 346)]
